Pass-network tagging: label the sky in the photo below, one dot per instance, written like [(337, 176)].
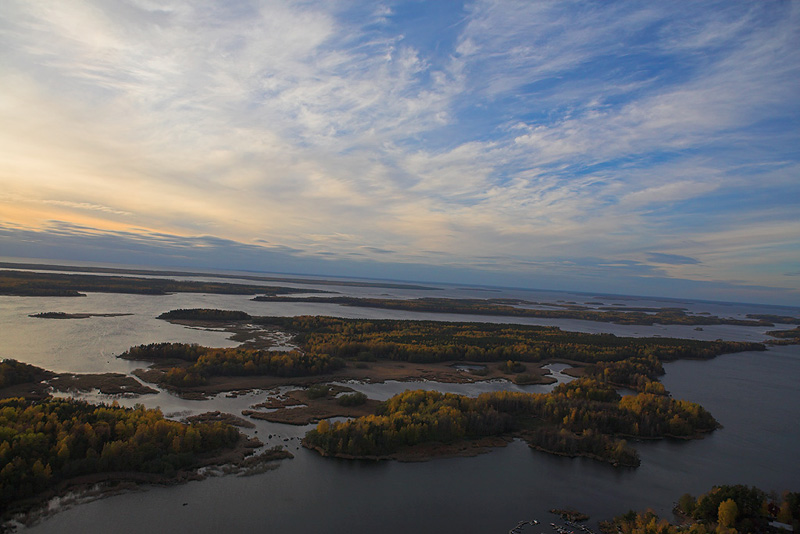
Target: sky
[(646, 148)]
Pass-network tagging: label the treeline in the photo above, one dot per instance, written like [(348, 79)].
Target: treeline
[(160, 352), (13, 372), (632, 316), (582, 418), (639, 374), (777, 319), (728, 509), (204, 314), (407, 419), (25, 283), (435, 341), (209, 362), (43, 443)]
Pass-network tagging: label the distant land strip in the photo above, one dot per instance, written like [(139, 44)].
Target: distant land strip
[(64, 315), (33, 284), (255, 278), (509, 308)]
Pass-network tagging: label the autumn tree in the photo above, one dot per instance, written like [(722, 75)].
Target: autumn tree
[(727, 512)]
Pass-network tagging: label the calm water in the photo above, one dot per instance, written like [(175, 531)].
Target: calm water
[(754, 395)]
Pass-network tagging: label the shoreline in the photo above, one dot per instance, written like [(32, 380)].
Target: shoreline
[(47, 382)]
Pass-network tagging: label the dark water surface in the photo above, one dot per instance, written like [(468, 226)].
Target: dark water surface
[(754, 395)]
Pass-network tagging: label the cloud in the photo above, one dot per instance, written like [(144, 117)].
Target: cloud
[(671, 259), (377, 250), (536, 133), (86, 206)]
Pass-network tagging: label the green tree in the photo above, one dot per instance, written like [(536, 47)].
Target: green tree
[(686, 504)]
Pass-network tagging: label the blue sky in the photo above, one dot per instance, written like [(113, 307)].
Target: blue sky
[(628, 147)]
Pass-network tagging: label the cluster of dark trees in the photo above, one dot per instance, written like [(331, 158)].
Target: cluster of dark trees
[(204, 314), (208, 362), (728, 509), (588, 443), (352, 399), (13, 372), (638, 374), (585, 417), (50, 315), (164, 352), (511, 366), (407, 419), (435, 341), (498, 307), (45, 442)]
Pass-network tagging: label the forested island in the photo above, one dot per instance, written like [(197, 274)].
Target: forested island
[(436, 341), (583, 418), (203, 314), (33, 284), (324, 345), (726, 509), (511, 308)]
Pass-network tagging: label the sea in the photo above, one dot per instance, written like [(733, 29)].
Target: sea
[(754, 395)]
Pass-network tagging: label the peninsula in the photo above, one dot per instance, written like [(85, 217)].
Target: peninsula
[(49, 446)]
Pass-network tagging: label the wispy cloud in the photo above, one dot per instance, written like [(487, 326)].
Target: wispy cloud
[(85, 206)]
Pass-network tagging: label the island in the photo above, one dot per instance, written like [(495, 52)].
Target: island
[(63, 315), (371, 340), (318, 348), (586, 417), (785, 337)]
